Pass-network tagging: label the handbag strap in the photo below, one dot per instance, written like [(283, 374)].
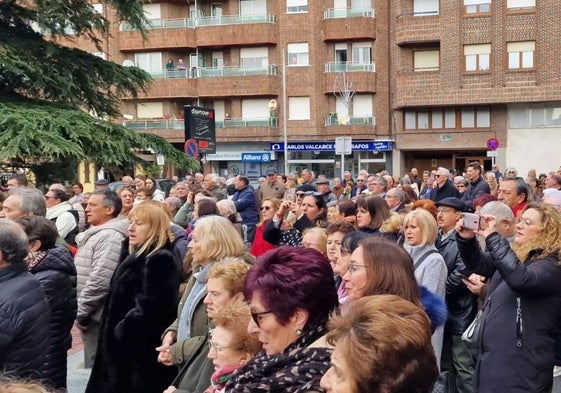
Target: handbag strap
[(423, 257), (519, 324)]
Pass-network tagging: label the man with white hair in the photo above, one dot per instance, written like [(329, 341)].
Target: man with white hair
[(551, 196), (444, 187), (211, 183)]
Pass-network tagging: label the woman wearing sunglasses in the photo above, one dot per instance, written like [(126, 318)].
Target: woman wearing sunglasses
[(269, 207), (291, 295)]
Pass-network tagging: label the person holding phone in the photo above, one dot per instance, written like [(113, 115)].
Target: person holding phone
[(523, 302)]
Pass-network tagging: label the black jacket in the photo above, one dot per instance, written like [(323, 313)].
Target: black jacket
[(273, 235), (503, 366), (57, 275), (447, 190), (24, 322), (461, 303), (475, 189), (141, 304)]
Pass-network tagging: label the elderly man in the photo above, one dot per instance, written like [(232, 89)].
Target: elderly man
[(211, 183), (461, 303), (395, 198), (17, 180), (514, 193), (127, 182), (272, 187), (24, 311), (553, 180), (23, 201), (101, 184), (323, 187), (377, 186), (99, 248), (551, 196), (443, 187), (308, 183)]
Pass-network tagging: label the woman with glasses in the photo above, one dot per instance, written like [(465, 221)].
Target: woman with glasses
[(522, 307), (269, 207), (224, 283), (213, 239), (349, 244), (291, 295), (140, 304)]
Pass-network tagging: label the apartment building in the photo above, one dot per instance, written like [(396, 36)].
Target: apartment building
[(422, 83)]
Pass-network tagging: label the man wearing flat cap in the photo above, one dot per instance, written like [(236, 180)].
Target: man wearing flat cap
[(461, 303), (272, 188), (101, 184), (322, 185)]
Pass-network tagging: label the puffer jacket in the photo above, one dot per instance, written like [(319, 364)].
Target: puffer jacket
[(57, 275), (24, 322), (97, 258), (515, 357), (461, 303)]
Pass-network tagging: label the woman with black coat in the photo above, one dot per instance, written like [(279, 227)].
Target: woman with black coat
[(523, 302), (141, 303), (54, 267)]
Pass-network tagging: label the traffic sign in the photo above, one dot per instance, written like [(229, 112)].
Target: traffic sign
[(343, 145), (493, 144), (191, 148)]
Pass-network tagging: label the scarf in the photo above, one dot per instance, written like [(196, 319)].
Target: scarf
[(219, 378), (34, 257), (298, 369), (198, 292)]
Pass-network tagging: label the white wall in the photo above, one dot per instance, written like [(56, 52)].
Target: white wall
[(537, 148)]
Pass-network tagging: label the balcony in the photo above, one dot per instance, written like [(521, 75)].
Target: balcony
[(361, 75), (418, 28), (202, 31), (349, 24), (333, 120), (179, 124)]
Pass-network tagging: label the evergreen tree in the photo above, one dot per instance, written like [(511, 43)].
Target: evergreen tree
[(55, 101)]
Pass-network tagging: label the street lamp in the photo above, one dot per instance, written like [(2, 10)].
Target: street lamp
[(284, 115)]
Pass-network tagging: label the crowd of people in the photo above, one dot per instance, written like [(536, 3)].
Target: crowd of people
[(301, 284)]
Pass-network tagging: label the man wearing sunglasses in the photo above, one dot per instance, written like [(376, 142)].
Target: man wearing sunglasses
[(443, 187)]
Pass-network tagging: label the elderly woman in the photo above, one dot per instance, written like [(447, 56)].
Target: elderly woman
[(315, 238), (127, 197), (140, 304), (523, 302), (391, 337), (290, 327), (54, 268), (225, 282), (227, 209), (214, 238)]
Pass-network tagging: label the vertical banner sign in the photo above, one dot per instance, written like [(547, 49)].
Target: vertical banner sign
[(200, 125)]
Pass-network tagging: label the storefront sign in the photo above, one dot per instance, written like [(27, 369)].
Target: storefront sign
[(330, 146), (256, 157)]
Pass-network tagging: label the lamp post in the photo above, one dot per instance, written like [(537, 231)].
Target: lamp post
[(284, 115)]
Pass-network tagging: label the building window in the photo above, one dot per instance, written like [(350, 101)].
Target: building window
[(520, 54), (426, 60), (362, 52), (474, 7), (475, 118), (534, 115), (254, 57), (298, 54), (296, 6), (477, 57), (149, 62), (520, 4), (298, 108), (425, 7)]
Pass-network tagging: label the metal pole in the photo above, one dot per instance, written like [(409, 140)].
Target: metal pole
[(284, 115)]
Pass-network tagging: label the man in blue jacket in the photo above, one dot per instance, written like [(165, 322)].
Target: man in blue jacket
[(246, 204), (24, 311)]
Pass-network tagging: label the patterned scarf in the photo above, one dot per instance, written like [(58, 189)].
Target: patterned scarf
[(34, 257), (219, 378), (298, 369)]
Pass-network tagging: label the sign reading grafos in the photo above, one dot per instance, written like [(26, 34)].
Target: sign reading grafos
[(200, 125)]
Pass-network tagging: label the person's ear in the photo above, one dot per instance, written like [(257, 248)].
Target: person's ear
[(245, 358), (299, 318), (34, 245)]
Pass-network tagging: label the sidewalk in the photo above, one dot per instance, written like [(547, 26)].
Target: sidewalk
[(77, 377)]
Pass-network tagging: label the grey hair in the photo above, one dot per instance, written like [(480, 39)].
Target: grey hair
[(498, 209), (110, 198), (14, 244), (445, 171), (32, 200)]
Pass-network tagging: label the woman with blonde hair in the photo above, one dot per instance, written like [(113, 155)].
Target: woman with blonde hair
[(213, 238), (519, 324), (128, 196), (391, 337), (141, 303), (269, 207)]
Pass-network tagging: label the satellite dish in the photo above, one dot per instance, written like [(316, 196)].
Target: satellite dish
[(128, 63)]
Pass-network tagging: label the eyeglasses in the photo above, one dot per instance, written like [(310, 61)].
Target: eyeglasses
[(353, 267), (265, 207), (437, 175), (256, 316), (360, 180), (300, 194), (213, 346), (461, 186)]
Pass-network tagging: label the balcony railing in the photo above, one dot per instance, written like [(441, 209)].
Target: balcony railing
[(178, 124), (203, 21), (215, 72), (335, 13), (334, 120), (349, 66)]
